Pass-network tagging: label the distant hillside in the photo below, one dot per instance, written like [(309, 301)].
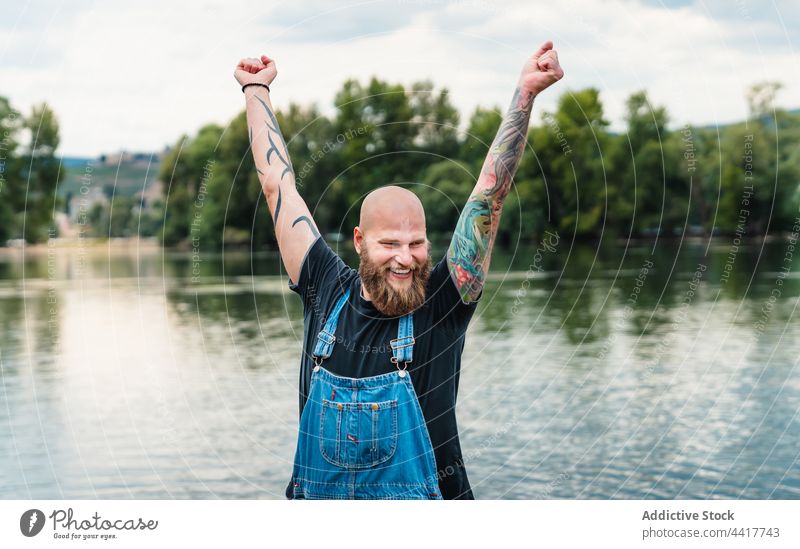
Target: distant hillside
[(70, 162), (769, 121), (122, 177)]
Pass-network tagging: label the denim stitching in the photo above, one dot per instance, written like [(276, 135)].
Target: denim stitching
[(338, 459), (422, 492), (423, 426), (361, 382), (326, 404), (339, 414), (374, 448), (402, 484), (393, 435)]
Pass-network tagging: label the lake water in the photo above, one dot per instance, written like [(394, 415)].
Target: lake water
[(663, 369)]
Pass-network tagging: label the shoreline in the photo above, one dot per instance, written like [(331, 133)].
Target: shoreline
[(149, 244)]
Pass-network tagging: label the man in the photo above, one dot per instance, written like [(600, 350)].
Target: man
[(378, 411)]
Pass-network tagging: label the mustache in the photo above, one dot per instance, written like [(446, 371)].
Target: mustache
[(387, 299), (412, 268)]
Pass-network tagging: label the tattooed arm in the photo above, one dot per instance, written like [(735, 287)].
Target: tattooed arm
[(471, 247), (294, 227)]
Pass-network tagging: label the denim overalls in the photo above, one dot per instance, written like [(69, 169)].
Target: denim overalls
[(364, 438)]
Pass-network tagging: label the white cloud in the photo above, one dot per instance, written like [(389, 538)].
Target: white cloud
[(138, 75)]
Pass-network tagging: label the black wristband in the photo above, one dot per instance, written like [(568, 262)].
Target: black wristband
[(255, 84)]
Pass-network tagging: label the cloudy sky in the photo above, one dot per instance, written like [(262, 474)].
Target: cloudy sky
[(136, 75)]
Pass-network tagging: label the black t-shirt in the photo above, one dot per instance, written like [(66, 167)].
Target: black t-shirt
[(362, 348)]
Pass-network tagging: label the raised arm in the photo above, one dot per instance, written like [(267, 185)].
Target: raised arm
[(471, 247), (294, 227)]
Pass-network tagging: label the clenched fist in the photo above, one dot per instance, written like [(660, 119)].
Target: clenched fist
[(541, 70), (252, 70)]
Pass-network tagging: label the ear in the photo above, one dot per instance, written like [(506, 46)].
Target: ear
[(358, 239)]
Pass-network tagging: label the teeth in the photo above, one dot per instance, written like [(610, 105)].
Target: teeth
[(398, 271)]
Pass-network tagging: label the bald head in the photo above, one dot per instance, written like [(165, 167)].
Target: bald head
[(394, 252), (391, 205)]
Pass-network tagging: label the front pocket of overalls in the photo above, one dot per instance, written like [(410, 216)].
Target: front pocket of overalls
[(358, 435)]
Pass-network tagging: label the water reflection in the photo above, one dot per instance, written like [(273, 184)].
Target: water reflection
[(611, 371)]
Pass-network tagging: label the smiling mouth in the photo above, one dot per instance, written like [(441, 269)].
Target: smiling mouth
[(400, 274)]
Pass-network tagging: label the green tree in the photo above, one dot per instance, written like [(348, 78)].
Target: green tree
[(40, 169), (445, 188), (176, 174), (313, 148), (10, 184), (391, 136), (187, 170), (648, 189), (121, 222), (436, 121), (570, 148), (758, 170), (481, 131), (225, 212)]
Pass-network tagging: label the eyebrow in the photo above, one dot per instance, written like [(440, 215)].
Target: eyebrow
[(393, 240)]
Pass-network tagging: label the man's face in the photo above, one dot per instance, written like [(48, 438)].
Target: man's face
[(395, 266)]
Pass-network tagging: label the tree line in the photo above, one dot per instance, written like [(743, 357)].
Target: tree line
[(29, 172), (577, 177)]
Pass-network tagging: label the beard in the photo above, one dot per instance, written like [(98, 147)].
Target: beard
[(385, 297)]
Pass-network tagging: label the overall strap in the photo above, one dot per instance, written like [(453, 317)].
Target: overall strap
[(326, 337), (403, 346)]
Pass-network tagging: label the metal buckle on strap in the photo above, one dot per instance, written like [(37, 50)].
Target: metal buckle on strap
[(408, 342), (327, 337)]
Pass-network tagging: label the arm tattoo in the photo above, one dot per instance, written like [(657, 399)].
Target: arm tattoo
[(277, 208), (250, 138), (475, 232), (273, 129), (310, 224)]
